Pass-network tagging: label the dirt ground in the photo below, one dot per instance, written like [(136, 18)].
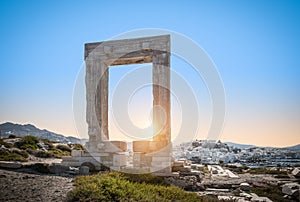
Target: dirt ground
[(22, 186)]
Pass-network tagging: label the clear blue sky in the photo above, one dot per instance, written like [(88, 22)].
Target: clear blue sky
[(254, 44)]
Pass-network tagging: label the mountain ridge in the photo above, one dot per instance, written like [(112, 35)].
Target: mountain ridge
[(9, 128), (21, 130), (247, 146)]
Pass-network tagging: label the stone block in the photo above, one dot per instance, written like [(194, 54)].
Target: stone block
[(120, 144), (99, 154), (119, 160), (106, 158), (116, 168), (69, 159), (161, 159), (141, 160), (135, 170), (71, 163), (140, 146), (157, 145), (166, 151), (296, 172), (113, 146), (160, 169), (76, 153), (138, 156), (178, 163), (85, 159), (141, 164), (84, 170), (160, 163)]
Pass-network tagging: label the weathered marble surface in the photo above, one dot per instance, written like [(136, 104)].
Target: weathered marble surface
[(152, 155)]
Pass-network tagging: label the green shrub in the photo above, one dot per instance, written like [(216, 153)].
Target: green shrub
[(12, 136), (145, 178), (7, 145), (114, 186), (44, 154), (49, 143), (28, 142), (58, 153), (21, 152), (77, 147), (63, 148), (6, 155)]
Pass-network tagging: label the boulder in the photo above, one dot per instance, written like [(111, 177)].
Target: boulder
[(291, 189), (245, 186), (84, 170), (178, 163), (296, 172)]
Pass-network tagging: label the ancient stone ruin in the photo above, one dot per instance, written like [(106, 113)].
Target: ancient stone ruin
[(148, 156)]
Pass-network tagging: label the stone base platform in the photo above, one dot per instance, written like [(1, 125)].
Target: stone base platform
[(147, 157), (114, 160)]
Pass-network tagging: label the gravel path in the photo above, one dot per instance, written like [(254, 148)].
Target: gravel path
[(19, 186)]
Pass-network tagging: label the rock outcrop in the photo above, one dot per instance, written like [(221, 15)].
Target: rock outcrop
[(291, 189)]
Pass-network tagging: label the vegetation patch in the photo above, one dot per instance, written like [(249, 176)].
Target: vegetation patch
[(5, 144), (59, 153), (43, 154), (42, 148), (27, 142), (63, 148), (114, 186), (77, 147), (14, 155), (145, 178), (48, 143)]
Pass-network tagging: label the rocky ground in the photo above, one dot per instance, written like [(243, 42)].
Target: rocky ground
[(25, 185)]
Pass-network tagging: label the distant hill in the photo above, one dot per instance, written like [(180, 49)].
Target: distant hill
[(241, 146), (247, 146), (296, 147), (28, 129)]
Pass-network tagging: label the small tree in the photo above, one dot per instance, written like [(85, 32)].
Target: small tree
[(12, 136)]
